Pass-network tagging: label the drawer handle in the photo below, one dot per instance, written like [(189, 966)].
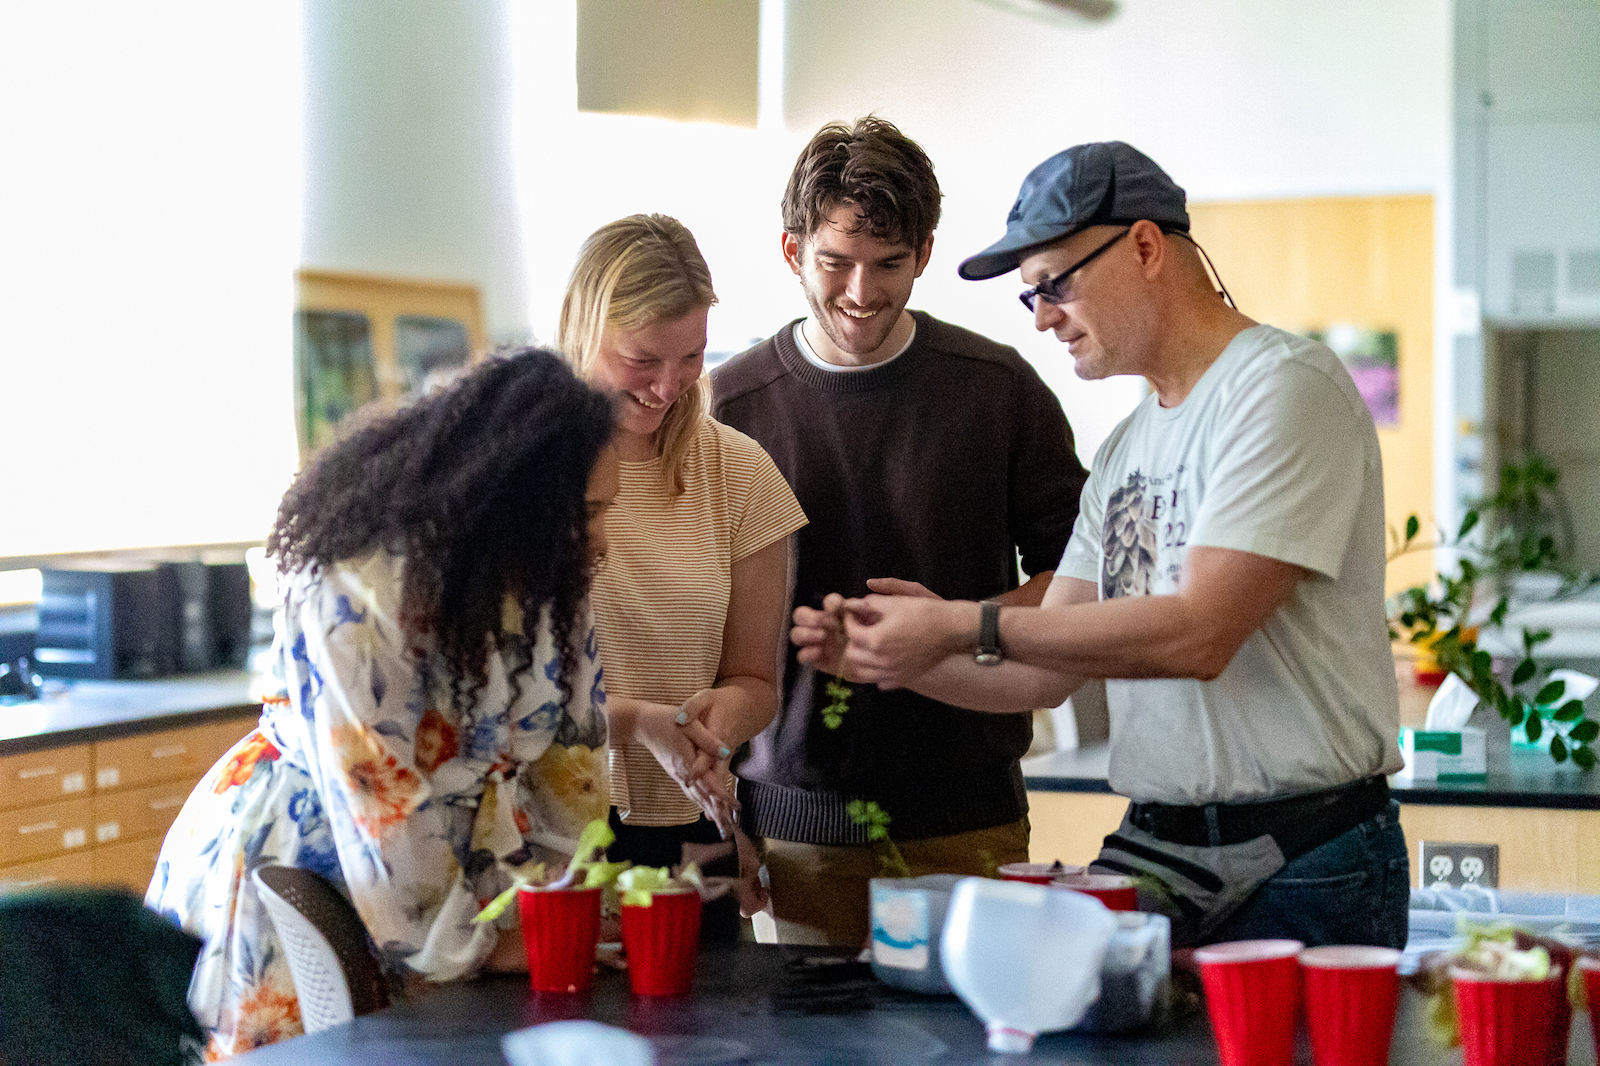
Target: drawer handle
[(37, 882), (35, 771), (168, 803), (72, 782), (109, 777), (107, 831), (169, 751), (37, 827), (74, 838)]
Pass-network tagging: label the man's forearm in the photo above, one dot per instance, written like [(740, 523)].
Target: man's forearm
[(1007, 688)]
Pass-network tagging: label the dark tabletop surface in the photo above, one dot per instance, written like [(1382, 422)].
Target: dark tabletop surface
[(764, 1004), (101, 710), (1516, 778)]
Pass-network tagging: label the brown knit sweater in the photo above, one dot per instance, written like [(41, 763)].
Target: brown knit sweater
[(940, 466)]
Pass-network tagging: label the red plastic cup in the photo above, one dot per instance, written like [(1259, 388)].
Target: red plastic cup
[(1253, 997), (1116, 892), (661, 941), (1038, 873), (1351, 992), (560, 930), (1512, 1023), (1589, 967)]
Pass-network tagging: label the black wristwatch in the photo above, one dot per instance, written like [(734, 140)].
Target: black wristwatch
[(988, 650)]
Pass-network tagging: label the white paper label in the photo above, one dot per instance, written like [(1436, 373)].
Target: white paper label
[(900, 929), (108, 777), (74, 838), (72, 782)]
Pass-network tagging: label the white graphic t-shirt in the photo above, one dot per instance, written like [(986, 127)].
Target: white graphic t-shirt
[(1275, 453)]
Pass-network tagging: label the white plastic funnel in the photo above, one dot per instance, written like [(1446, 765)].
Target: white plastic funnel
[(1025, 958)]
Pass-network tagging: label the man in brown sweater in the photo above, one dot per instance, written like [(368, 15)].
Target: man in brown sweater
[(928, 459)]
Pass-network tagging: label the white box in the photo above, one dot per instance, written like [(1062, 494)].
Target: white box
[(1437, 755)]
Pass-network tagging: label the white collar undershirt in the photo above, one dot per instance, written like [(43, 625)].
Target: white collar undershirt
[(816, 360)]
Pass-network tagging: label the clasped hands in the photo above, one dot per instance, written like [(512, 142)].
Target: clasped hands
[(692, 755), (889, 637)]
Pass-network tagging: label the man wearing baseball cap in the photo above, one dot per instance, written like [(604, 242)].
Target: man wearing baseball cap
[(1225, 574)]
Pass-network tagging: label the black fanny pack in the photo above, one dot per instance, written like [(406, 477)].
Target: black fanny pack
[(1297, 824)]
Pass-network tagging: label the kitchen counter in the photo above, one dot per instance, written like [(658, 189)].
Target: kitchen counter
[(103, 710), (1515, 779)]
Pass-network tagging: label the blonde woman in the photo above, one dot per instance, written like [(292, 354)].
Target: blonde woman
[(690, 605)]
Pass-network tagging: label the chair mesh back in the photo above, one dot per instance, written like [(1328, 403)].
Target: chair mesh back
[(336, 972)]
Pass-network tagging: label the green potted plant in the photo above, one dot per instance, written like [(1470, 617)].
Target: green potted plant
[(1503, 540), (661, 926)]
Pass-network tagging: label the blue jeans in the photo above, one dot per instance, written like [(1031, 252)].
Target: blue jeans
[(1355, 889)]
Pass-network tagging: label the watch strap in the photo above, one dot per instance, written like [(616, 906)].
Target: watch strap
[(988, 650)]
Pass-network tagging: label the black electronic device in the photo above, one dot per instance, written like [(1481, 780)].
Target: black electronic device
[(106, 624)]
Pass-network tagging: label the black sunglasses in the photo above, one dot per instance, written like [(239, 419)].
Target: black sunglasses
[(1054, 290)]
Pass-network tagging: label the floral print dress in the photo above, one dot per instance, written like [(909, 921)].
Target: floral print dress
[(364, 770)]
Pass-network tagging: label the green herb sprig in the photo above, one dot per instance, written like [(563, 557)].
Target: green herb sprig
[(839, 695), (876, 820)]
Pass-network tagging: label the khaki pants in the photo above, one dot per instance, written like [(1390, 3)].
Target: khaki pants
[(819, 891)]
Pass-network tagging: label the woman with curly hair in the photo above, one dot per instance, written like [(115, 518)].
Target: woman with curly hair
[(437, 716), (690, 606)]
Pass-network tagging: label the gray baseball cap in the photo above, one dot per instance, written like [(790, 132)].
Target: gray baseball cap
[(1104, 183)]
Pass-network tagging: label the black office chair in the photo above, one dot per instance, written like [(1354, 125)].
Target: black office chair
[(336, 972), (91, 977)]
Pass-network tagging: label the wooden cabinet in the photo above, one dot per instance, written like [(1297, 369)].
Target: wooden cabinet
[(43, 776), (96, 813)]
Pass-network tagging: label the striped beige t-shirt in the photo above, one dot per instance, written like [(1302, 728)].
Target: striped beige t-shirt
[(661, 599)]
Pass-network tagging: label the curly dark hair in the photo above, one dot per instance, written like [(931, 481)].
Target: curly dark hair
[(481, 488), (884, 173)]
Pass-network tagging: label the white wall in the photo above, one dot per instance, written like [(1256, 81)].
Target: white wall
[(1236, 98)]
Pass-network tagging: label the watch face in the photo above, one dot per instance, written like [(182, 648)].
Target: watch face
[(987, 658)]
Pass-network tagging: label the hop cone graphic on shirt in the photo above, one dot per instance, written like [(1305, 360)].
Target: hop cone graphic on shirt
[(1128, 542)]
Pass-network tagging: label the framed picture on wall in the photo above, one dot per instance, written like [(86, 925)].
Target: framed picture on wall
[(1373, 358)]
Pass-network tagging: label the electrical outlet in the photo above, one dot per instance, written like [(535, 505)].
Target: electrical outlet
[(1449, 865)]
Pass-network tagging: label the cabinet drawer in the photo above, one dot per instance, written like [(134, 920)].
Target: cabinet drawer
[(170, 755), (138, 812), (128, 864), (44, 776), (74, 869), (38, 832)]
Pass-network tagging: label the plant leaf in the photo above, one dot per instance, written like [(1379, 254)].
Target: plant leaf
[(1585, 731), (600, 874), (1497, 616), (639, 883), (1558, 750), (1468, 522), (1533, 728), (1570, 711), (1412, 526), (1584, 757), (1482, 664), (1550, 693), (1525, 670)]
